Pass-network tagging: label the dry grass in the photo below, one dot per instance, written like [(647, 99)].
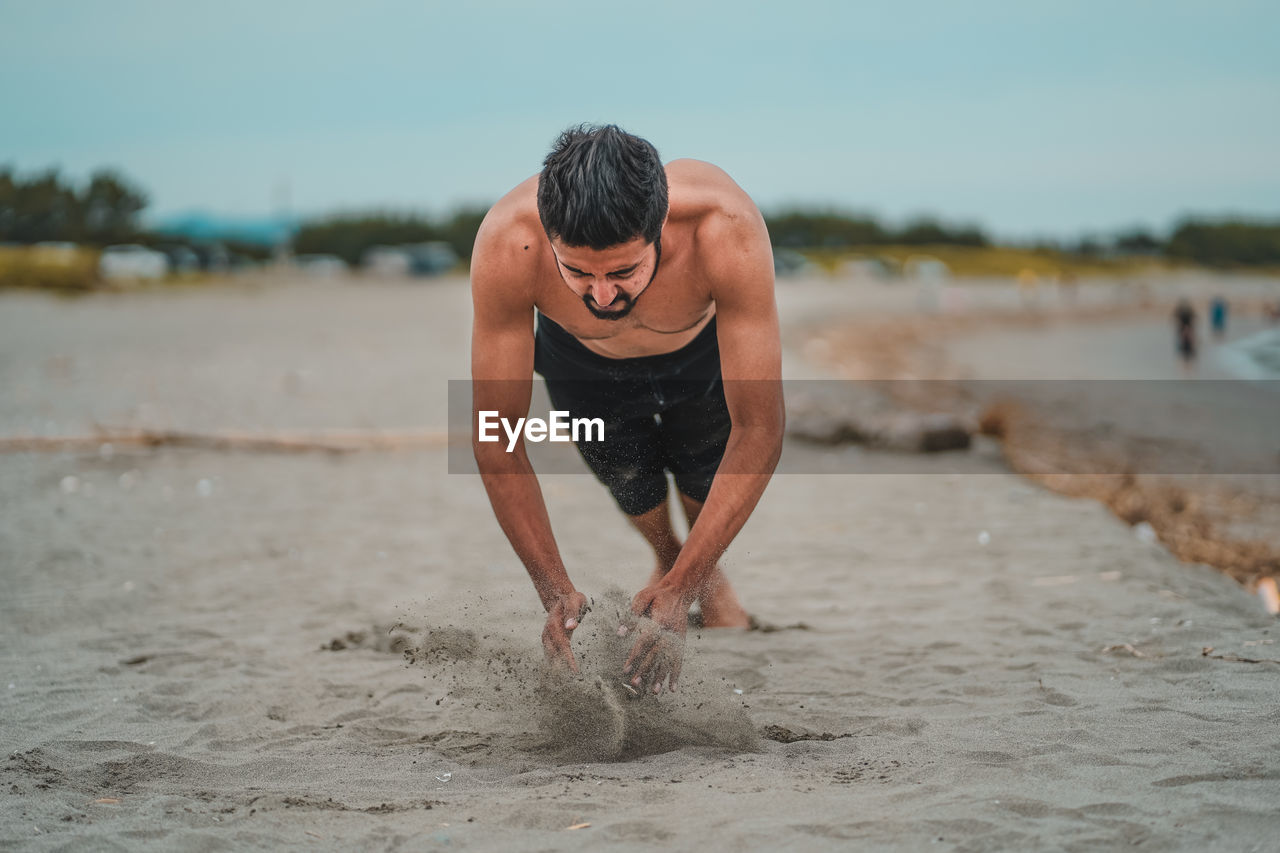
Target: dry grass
[(68, 270)]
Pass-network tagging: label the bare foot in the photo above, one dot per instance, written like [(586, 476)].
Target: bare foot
[(720, 605)]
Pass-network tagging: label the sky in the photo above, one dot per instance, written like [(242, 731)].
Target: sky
[(1039, 118)]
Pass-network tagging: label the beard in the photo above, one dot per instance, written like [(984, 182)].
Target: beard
[(624, 302)]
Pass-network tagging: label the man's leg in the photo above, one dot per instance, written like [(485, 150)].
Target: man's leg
[(717, 600), (655, 527)]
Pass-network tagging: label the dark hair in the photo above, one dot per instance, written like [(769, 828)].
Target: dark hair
[(601, 186)]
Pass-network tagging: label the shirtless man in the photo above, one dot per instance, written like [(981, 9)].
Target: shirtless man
[(632, 288)]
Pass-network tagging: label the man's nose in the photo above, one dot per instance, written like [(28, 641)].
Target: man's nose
[(603, 292)]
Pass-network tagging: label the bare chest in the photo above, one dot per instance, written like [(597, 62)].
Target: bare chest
[(666, 317)]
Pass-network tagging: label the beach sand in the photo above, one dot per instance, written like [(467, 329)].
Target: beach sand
[(226, 650), (1088, 397)]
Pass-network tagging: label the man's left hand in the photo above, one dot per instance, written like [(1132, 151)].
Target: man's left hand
[(660, 615)]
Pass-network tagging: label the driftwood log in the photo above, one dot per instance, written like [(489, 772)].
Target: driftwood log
[(903, 431), (288, 441)]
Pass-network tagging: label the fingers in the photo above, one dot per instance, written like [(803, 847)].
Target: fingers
[(576, 608), (641, 604), (626, 623), (558, 652), (572, 609), (648, 669), (653, 664), (644, 643), (661, 669), (654, 659), (555, 642), (659, 665), (564, 616)]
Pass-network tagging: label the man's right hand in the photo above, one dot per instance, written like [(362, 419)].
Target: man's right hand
[(563, 616)]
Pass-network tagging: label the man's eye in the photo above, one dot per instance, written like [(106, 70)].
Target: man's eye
[(621, 275)]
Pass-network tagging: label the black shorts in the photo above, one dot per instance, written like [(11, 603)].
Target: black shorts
[(661, 413)]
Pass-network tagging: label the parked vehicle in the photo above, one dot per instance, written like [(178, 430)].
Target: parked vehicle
[(323, 266), (415, 259), (132, 262)]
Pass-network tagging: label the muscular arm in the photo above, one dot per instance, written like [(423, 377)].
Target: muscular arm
[(751, 362), (502, 377), (741, 277)]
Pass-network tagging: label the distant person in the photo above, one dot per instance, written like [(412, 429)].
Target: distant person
[(1028, 288), (1067, 286), (1218, 317), (634, 288), (1184, 325)]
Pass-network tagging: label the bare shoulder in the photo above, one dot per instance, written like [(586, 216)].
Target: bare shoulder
[(706, 191), (509, 246), (728, 228)]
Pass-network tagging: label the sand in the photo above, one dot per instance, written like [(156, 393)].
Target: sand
[(212, 650), (1088, 397)]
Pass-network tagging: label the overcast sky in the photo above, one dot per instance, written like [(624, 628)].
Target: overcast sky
[(1028, 118)]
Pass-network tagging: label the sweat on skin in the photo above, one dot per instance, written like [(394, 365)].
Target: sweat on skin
[(559, 428)]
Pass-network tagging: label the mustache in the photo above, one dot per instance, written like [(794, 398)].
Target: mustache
[(598, 311), (628, 302)]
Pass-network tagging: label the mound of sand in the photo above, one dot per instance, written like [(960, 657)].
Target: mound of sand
[(588, 716)]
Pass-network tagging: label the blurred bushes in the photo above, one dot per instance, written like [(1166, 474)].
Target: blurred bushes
[(349, 236), (1215, 243), (44, 208), (798, 229), (827, 229), (1227, 243)]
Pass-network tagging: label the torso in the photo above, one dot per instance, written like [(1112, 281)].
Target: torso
[(676, 305)]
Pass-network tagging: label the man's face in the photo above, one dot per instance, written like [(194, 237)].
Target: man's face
[(609, 281)]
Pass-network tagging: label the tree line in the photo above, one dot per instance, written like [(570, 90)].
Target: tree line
[(827, 229), (1221, 244), (349, 236), (44, 208), (107, 209), (1214, 243)]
